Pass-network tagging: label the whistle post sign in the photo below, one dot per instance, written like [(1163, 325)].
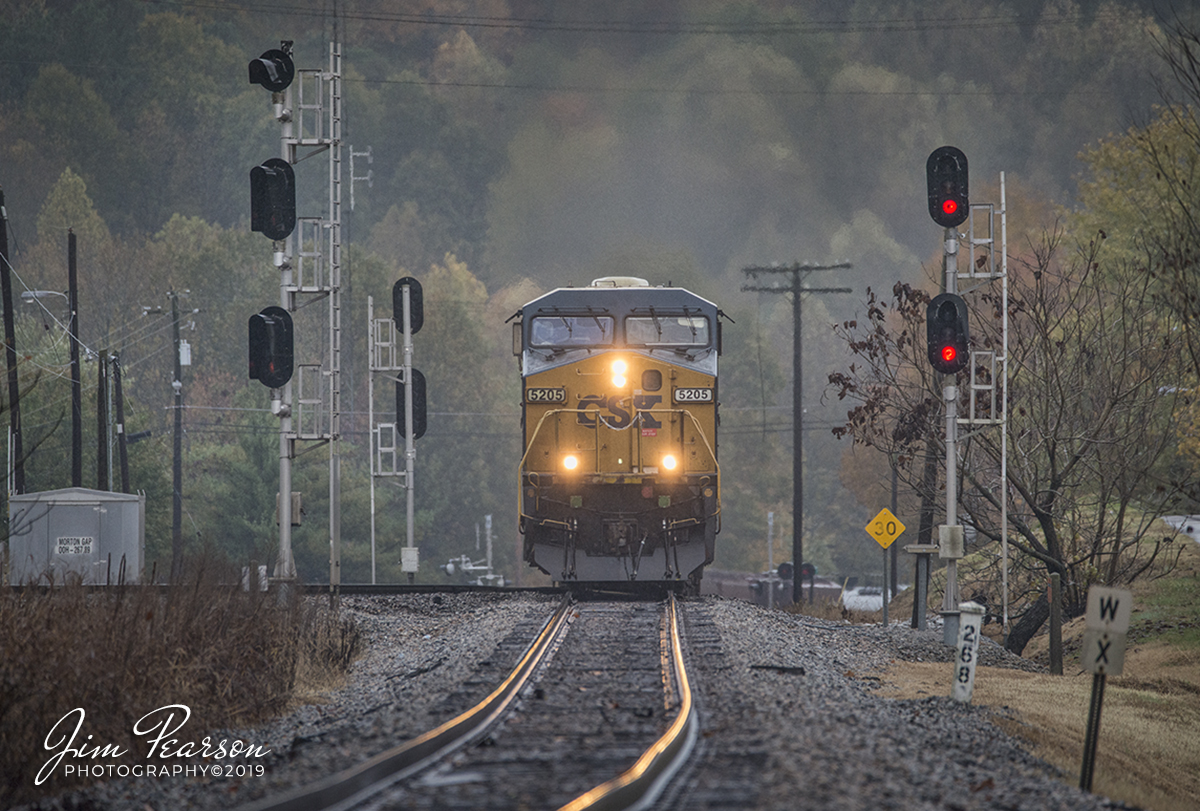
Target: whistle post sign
[(1108, 612)]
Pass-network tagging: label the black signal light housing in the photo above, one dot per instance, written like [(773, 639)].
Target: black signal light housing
[(274, 70), (273, 198), (949, 196), (946, 328), (271, 347), (420, 422)]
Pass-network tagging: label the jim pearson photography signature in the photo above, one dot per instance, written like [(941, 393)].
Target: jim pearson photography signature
[(161, 729)]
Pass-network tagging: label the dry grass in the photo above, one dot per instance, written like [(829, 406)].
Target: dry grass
[(1149, 746), (1149, 750), (328, 646), (232, 657)]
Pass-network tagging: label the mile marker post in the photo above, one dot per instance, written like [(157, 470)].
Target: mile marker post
[(966, 652)]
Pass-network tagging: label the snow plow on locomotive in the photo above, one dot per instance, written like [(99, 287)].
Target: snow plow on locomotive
[(619, 481)]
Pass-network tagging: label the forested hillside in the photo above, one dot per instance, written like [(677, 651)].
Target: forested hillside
[(519, 145)]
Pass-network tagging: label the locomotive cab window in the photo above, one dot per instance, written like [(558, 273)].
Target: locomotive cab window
[(571, 330), (667, 330)]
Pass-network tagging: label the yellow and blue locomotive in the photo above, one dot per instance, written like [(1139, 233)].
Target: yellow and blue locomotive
[(619, 478)]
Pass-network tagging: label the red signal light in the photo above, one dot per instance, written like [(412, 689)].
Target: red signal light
[(946, 177), (947, 333)]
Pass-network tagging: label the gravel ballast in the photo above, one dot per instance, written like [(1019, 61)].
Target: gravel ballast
[(828, 741), (790, 717)]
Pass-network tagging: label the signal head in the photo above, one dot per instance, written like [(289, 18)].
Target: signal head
[(419, 409), (274, 70), (946, 177), (271, 347), (416, 305), (947, 332), (273, 198)]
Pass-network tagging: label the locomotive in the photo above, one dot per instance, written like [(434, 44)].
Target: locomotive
[(619, 481)]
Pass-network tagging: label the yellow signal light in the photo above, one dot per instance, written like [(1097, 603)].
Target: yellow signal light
[(669, 462), (570, 462)]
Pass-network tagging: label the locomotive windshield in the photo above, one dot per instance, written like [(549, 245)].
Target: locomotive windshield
[(571, 330), (667, 329)]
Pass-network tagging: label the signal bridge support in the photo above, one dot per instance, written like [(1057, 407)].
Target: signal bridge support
[(950, 534), (387, 453), (987, 403), (309, 111)]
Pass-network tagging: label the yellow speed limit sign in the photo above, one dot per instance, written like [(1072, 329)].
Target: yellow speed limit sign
[(884, 528)]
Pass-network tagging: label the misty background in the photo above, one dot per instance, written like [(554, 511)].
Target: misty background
[(516, 147)]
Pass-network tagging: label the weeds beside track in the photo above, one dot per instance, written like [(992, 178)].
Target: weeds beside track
[(232, 657)]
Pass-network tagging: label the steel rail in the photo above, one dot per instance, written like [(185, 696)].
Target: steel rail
[(642, 783), (373, 775)]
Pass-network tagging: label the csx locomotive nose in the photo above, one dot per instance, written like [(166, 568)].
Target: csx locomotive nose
[(619, 478)]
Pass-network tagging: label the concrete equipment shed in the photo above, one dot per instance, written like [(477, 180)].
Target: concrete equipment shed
[(76, 532)]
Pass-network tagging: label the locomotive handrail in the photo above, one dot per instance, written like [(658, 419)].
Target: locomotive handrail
[(707, 445), (521, 465)]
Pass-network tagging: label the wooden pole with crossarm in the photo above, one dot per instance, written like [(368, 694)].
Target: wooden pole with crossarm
[(795, 275)]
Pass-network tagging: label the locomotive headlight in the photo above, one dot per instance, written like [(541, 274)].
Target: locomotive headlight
[(669, 462), (570, 462), (619, 368)]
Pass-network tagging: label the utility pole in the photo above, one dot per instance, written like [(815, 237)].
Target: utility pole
[(102, 421), (177, 464), (17, 485), (122, 443), (76, 386), (798, 274)]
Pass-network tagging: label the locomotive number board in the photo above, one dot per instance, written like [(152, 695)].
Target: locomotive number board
[(693, 395), (545, 395)]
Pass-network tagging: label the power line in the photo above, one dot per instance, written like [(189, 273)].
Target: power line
[(714, 91), (624, 27), (672, 28), (540, 87)]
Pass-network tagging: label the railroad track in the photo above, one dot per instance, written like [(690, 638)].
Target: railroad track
[(598, 714)]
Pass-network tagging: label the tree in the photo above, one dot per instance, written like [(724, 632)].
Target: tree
[(1166, 155), (1092, 403), (1143, 192), (68, 206)]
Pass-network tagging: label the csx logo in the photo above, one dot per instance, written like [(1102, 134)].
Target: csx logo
[(613, 412)]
